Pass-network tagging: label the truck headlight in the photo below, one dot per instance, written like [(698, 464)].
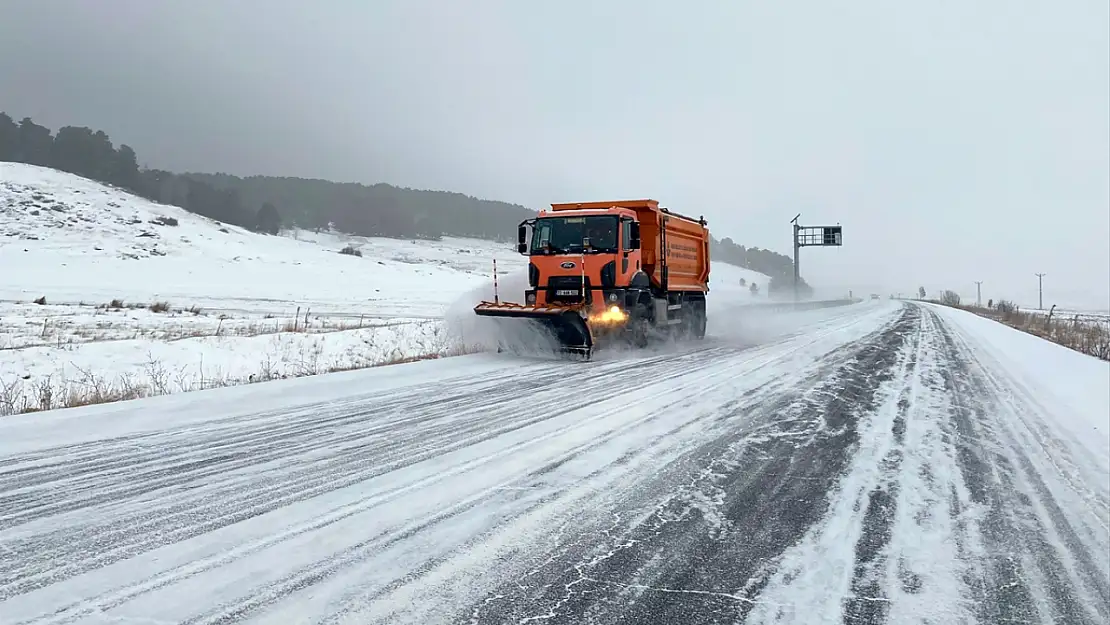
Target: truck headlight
[(530, 298), (613, 314)]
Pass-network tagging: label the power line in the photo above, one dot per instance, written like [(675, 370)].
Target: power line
[(1040, 291)]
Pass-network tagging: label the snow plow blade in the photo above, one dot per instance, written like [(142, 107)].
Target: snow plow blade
[(567, 324)]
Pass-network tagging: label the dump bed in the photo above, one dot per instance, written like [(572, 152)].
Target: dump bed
[(674, 247)]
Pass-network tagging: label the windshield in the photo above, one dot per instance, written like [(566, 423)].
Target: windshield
[(554, 235)]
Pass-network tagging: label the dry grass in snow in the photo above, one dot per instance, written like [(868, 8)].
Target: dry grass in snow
[(44, 378), (1087, 333), (62, 326)]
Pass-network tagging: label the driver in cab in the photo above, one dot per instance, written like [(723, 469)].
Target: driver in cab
[(600, 235)]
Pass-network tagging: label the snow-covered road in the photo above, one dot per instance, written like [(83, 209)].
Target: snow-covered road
[(880, 463)]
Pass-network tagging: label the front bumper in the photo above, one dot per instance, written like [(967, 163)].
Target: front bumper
[(595, 298)]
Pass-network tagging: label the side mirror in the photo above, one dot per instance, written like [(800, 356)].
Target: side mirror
[(522, 239), (634, 234)]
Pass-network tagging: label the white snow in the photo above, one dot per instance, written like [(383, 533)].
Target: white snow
[(232, 294), (1071, 390), (1051, 409), (22, 434), (812, 580), (400, 494), (452, 490), (74, 240)]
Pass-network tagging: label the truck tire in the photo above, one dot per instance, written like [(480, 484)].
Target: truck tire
[(639, 322), (698, 320)]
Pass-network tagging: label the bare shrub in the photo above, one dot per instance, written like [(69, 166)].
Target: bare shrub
[(266, 372), (41, 301), (309, 363), (157, 375), (1088, 337), (12, 398), (1095, 341), (160, 307), (351, 250), (44, 393), (950, 298)]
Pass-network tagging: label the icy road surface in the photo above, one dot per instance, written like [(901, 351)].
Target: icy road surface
[(884, 464)]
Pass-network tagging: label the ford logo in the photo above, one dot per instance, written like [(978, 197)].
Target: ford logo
[(567, 265)]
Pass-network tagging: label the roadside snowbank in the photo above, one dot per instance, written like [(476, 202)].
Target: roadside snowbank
[(1069, 382)]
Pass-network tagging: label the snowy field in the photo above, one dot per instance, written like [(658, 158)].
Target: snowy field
[(145, 298), (883, 463)]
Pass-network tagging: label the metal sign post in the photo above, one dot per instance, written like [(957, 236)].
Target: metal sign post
[(809, 236)]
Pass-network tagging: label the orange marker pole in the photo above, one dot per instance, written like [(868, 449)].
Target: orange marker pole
[(583, 279)]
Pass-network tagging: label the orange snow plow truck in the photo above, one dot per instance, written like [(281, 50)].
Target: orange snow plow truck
[(598, 272)]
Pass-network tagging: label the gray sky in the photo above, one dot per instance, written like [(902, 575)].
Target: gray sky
[(955, 141)]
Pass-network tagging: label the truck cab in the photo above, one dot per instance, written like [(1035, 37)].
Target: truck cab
[(588, 256)]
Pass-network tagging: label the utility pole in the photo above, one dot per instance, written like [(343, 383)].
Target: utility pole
[(978, 293), (1040, 291)]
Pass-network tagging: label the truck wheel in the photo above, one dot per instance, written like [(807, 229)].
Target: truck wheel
[(699, 320), (639, 324), (685, 328)]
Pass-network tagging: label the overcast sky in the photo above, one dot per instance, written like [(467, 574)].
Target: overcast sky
[(954, 141)]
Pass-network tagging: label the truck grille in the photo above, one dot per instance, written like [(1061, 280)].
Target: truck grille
[(566, 289)]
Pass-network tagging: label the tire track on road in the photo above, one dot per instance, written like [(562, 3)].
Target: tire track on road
[(735, 503), (130, 495), (690, 385), (486, 417), (868, 603), (1034, 565), (952, 519), (324, 568)]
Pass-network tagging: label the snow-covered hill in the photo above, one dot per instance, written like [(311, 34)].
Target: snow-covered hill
[(74, 240), (229, 305)]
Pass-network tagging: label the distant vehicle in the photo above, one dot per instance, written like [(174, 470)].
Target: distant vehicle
[(874, 296), (612, 270)]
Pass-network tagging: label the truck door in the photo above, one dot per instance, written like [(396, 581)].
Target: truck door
[(626, 243)]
